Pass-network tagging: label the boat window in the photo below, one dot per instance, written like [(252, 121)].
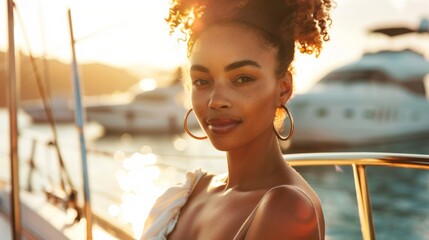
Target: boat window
[(350, 77), (150, 96), (322, 112), (348, 113), (426, 85), (416, 86), (369, 114)]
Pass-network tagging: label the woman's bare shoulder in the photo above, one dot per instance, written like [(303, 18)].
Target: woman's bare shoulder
[(285, 212), (209, 181)]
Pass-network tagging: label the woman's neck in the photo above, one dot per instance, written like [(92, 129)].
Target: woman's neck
[(256, 166)]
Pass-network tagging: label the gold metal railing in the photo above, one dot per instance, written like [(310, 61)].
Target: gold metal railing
[(359, 161)]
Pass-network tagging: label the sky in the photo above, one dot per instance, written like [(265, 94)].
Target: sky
[(133, 33)]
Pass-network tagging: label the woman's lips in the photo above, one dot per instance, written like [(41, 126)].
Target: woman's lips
[(222, 125)]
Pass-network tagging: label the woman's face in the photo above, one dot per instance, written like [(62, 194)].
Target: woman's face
[(234, 88)]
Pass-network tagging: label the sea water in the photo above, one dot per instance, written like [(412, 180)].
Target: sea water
[(127, 172)]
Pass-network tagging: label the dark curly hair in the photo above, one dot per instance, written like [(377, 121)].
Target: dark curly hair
[(286, 24)]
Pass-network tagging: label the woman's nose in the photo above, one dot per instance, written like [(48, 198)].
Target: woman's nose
[(220, 98)]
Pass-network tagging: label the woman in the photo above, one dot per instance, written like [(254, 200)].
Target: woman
[(240, 54)]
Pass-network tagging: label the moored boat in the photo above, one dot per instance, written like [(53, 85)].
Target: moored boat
[(381, 97), (62, 110), (158, 110)]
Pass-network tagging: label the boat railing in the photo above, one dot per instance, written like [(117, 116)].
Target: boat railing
[(359, 161)]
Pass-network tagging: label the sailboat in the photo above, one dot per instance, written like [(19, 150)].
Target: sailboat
[(44, 215)]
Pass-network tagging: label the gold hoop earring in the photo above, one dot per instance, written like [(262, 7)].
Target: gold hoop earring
[(185, 126), (291, 129)]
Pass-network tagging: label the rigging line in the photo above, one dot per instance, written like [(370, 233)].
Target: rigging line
[(59, 47), (45, 63), (47, 107), (105, 29)]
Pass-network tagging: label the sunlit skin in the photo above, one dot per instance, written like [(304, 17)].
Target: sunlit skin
[(235, 93)]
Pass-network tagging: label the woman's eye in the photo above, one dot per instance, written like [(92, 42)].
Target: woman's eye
[(243, 79), (200, 82)]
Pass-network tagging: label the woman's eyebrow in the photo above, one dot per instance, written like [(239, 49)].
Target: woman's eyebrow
[(243, 63), (200, 68), (229, 67)]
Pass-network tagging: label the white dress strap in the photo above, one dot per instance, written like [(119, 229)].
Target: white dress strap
[(164, 214)]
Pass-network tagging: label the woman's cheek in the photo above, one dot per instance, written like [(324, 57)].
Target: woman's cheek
[(198, 105)]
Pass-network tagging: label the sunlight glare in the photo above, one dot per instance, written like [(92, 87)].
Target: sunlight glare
[(153, 172), (114, 210), (137, 160), (146, 149), (180, 144), (147, 84), (132, 162), (126, 138), (399, 4), (150, 159), (125, 183), (98, 233), (119, 156), (138, 185)]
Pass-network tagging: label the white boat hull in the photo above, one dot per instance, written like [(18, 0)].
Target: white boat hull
[(149, 119), (357, 117), (62, 110), (157, 111)]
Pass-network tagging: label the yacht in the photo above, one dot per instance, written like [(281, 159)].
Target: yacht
[(61, 108), (381, 97), (157, 110)]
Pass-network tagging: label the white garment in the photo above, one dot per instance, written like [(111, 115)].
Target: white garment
[(165, 212)]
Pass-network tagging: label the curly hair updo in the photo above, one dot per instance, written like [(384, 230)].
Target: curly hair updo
[(284, 24)]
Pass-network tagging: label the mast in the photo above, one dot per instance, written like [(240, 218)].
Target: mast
[(79, 125), (13, 122)]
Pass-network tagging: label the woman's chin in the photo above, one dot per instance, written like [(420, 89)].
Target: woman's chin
[(222, 144)]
